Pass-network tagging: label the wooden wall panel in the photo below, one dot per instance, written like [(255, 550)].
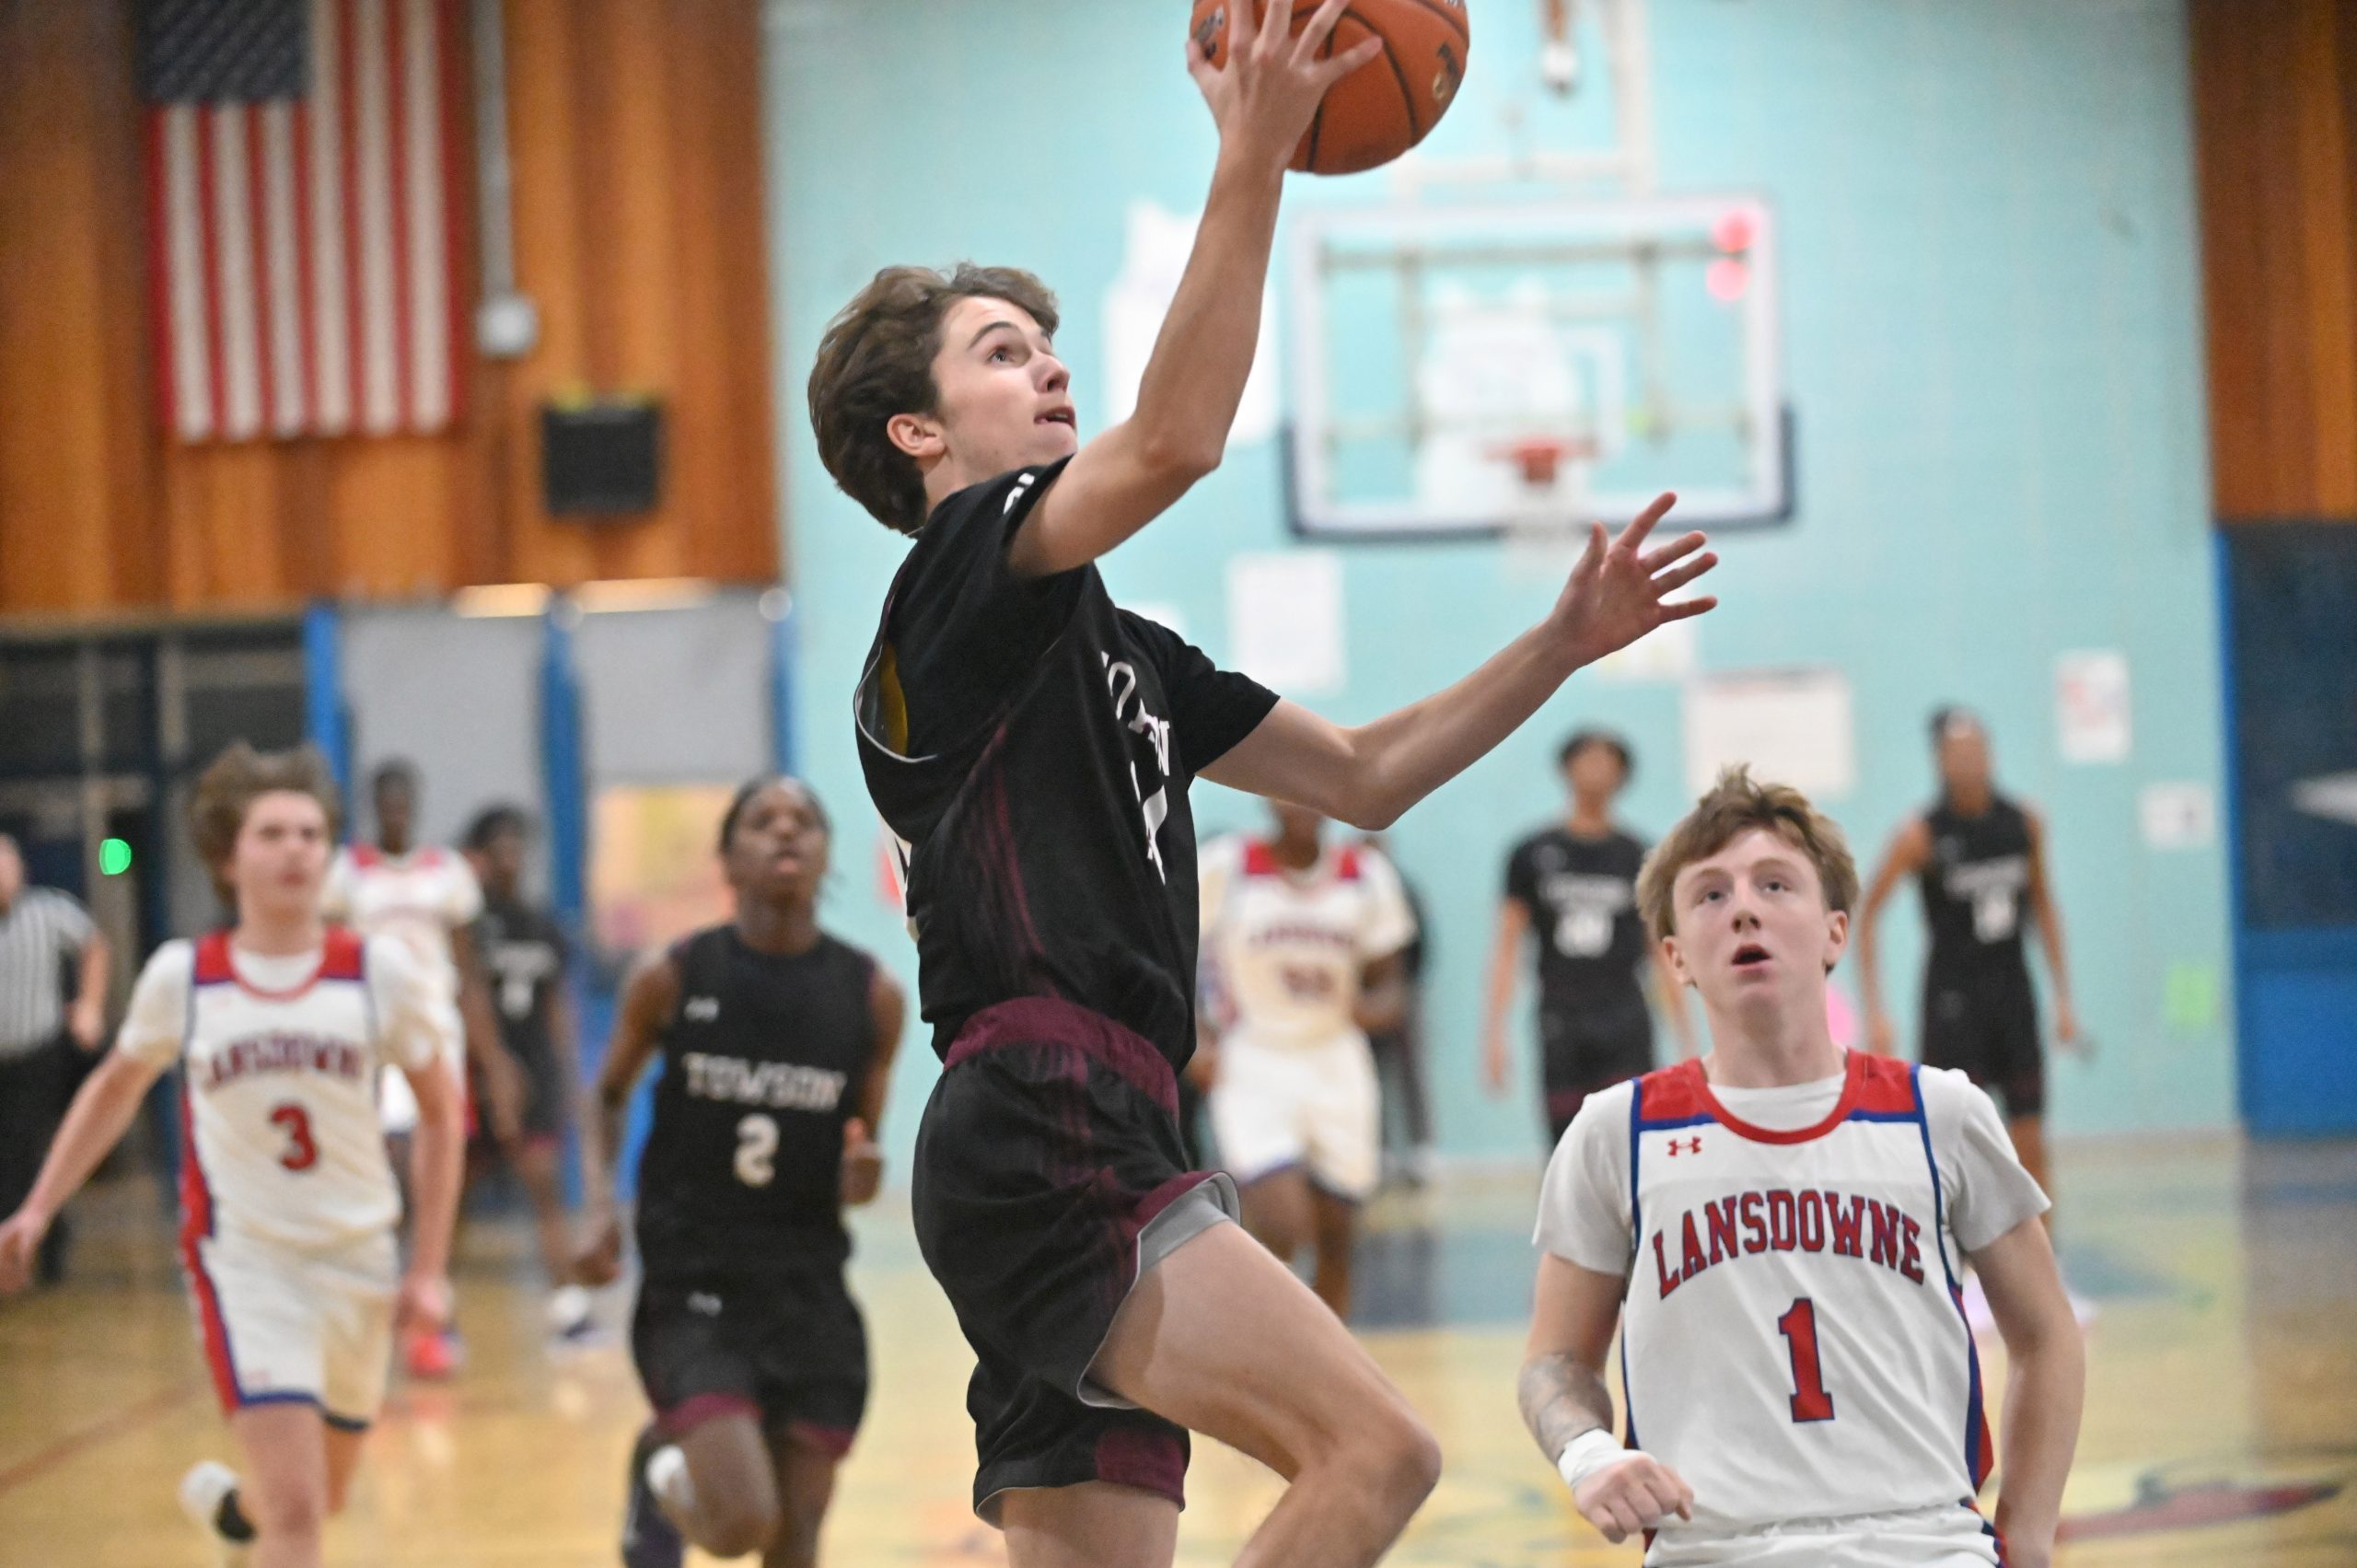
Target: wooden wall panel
[(77, 469), (2275, 112), (635, 136)]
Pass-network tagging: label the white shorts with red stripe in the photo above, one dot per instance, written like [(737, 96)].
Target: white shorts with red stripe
[(1279, 1105), (279, 1325)]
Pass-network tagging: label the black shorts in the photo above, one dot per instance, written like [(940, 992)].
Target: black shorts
[(786, 1347), (1048, 1152), (1581, 1054), (1987, 1027), (545, 1114)]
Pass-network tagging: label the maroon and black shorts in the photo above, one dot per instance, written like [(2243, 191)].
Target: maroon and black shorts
[(1049, 1175), (784, 1346)]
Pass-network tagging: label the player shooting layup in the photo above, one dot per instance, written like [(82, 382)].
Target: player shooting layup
[(1032, 745)]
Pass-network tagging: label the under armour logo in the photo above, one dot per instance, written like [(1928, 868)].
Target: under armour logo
[(705, 1303), (702, 1009), (1685, 1145)]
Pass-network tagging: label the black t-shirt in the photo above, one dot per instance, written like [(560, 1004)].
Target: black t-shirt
[(763, 1059), (523, 953), (1031, 744), (1975, 891), (1581, 895)]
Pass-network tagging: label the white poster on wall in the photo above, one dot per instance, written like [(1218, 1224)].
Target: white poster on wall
[(1790, 727), (1284, 620), (1154, 254), (2090, 714)]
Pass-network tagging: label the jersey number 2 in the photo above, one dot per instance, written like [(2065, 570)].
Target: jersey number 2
[(756, 1149), (300, 1153), (1798, 1325)]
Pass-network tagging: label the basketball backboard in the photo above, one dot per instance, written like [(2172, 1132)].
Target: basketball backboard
[(1430, 338)]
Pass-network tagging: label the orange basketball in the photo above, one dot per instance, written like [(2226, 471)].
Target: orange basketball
[(1387, 105)]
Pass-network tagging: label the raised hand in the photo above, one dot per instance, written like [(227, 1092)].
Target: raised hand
[(1264, 94), (1619, 590)]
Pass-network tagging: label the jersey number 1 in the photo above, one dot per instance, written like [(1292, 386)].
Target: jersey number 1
[(1798, 1325)]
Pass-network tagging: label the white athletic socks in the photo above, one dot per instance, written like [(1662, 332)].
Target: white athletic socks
[(666, 1477)]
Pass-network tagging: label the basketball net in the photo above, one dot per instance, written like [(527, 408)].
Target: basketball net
[(1545, 529)]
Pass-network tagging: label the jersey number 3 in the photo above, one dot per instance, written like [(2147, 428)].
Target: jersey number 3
[(301, 1153), (1798, 1325), (757, 1150)]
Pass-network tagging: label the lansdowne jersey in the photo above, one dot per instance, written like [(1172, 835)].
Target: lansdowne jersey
[(1288, 946), (281, 1142), (419, 899), (1794, 1342)]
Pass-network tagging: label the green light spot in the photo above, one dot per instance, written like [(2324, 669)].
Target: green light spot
[(114, 858)]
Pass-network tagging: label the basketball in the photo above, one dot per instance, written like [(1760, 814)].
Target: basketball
[(1387, 105)]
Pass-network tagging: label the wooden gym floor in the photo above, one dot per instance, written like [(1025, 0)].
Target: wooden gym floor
[(2221, 1421)]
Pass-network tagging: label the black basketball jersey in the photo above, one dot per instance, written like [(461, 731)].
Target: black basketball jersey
[(1582, 898), (523, 953), (1031, 745), (763, 1059), (1975, 891)]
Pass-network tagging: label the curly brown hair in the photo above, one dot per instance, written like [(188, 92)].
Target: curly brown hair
[(1737, 804), (876, 360), (234, 780)]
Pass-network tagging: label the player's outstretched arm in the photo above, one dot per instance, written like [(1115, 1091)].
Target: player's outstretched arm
[(1909, 851), (1619, 590), (649, 997), (1262, 101), (2046, 1384), (101, 1112), (1622, 1492)]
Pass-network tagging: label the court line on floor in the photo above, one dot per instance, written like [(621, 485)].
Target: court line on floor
[(106, 1429)]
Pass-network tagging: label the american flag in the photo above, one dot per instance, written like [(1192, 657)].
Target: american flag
[(304, 193)]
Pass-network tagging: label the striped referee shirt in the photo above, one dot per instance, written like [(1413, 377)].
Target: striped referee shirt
[(38, 934)]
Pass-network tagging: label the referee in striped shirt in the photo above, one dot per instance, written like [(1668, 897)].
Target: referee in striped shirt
[(53, 1014)]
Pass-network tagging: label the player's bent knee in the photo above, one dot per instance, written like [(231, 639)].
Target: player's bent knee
[(737, 1528), (1390, 1456)]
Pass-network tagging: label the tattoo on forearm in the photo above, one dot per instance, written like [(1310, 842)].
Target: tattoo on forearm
[(1562, 1398)]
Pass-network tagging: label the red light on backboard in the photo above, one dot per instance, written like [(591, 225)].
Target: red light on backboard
[(1727, 280), (1734, 232)]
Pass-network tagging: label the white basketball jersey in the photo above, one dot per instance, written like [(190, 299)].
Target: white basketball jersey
[(1795, 1344), (279, 1134), (1288, 946), (417, 899)]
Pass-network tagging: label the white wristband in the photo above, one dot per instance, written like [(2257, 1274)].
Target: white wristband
[(1592, 1451)]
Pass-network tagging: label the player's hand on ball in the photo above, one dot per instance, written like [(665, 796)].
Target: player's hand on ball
[(20, 1241), (1632, 1496), (424, 1302), (1619, 590), (599, 1261), (862, 1163), (1264, 99)]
